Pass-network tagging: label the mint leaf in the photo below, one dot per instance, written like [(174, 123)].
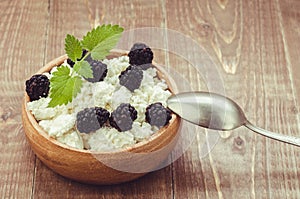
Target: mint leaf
[(103, 48), (91, 39), (99, 34), (73, 47), (63, 87), (84, 69)]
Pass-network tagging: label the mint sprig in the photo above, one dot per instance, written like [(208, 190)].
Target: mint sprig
[(66, 84)]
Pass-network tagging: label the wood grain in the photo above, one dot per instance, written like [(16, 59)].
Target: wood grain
[(254, 50), (255, 46), (21, 54)]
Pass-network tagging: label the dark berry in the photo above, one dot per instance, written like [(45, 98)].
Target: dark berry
[(158, 115), (140, 54), (37, 86), (145, 66), (131, 78), (91, 119), (99, 70), (71, 63), (123, 117), (133, 112)]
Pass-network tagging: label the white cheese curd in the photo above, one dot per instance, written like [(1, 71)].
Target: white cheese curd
[(102, 95), (60, 121), (159, 95), (141, 110), (121, 95), (83, 99), (107, 139), (59, 125), (98, 142), (72, 139), (149, 77), (115, 66), (41, 111), (119, 139), (141, 131)]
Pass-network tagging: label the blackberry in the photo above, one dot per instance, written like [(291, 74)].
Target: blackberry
[(91, 119), (131, 78), (123, 117), (140, 67), (37, 86), (145, 66), (133, 112), (71, 63), (99, 70), (158, 115), (140, 54)]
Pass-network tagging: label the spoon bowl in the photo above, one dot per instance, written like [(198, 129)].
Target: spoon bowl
[(208, 110), (214, 111)]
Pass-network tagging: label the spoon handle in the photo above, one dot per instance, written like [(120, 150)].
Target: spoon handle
[(283, 138)]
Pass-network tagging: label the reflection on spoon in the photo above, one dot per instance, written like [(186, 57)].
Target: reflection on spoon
[(217, 112)]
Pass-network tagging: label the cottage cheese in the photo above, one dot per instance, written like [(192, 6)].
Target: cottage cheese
[(110, 139), (102, 94), (59, 121), (59, 125), (72, 139)]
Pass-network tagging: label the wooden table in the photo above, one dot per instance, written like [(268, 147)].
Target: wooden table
[(255, 46)]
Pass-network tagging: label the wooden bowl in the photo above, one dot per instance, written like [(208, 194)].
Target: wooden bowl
[(100, 167)]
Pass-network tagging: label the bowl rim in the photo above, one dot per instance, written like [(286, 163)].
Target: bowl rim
[(57, 62)]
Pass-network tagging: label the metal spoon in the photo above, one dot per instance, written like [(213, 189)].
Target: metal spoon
[(217, 112)]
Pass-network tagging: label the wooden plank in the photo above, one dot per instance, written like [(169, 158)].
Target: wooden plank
[(253, 44), (21, 55), (129, 14), (289, 25), (153, 185), (203, 24), (245, 40), (280, 101), (65, 17)]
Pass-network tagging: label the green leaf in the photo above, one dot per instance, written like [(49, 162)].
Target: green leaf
[(73, 47), (84, 69), (63, 87), (100, 34), (103, 48)]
